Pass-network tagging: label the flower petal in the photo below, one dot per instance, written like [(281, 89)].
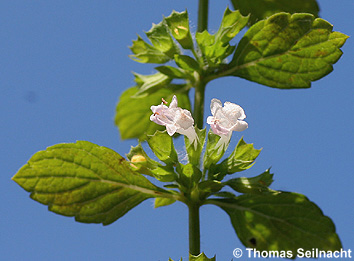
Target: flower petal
[(190, 134), (240, 126), (215, 104), (171, 129), (183, 118), (174, 102), (233, 111)]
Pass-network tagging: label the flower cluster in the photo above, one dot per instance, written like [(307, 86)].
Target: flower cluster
[(224, 121)]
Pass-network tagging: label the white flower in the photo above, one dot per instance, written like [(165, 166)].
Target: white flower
[(175, 119), (226, 119)]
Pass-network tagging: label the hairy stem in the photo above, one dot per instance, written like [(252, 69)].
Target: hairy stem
[(194, 229)]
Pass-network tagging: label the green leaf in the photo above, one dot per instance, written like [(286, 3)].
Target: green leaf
[(162, 145), (189, 175), (287, 51), (241, 158), (160, 37), (187, 63), (261, 9), (178, 23), (254, 185), (150, 83), (92, 183), (284, 221), (161, 202), (173, 72), (214, 53), (145, 53), (215, 48), (232, 23), (210, 186), (133, 113), (201, 257), (192, 152), (164, 173)]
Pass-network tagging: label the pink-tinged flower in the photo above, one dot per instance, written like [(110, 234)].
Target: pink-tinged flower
[(225, 120), (175, 119)]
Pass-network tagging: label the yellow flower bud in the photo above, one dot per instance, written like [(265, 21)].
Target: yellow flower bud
[(138, 158)]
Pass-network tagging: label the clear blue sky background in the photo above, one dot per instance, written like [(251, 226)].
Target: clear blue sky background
[(63, 65)]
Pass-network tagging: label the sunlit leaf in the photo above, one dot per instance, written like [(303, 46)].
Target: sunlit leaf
[(241, 158), (210, 186), (287, 51), (201, 257), (280, 221), (162, 145), (146, 53), (232, 23), (92, 183), (133, 113), (187, 63), (162, 202), (261, 9), (189, 175), (178, 24), (161, 39), (150, 83), (255, 185), (164, 173), (215, 48), (173, 72)]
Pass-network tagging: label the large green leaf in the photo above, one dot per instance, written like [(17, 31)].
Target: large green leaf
[(280, 221), (261, 9), (287, 51), (133, 113), (92, 183)]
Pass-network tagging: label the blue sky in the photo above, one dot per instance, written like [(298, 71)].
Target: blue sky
[(63, 65)]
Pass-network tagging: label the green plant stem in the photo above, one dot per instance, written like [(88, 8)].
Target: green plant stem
[(194, 229), (199, 103), (193, 207), (203, 9)]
